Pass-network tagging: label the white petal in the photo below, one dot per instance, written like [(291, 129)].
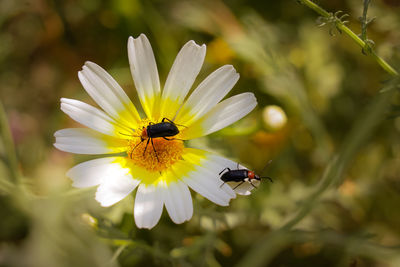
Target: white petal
[(222, 115), (214, 165), (87, 141), (178, 201), (90, 116), (180, 79), (206, 188), (204, 179), (92, 172), (116, 186), (148, 205), (208, 94), (108, 94), (144, 71)]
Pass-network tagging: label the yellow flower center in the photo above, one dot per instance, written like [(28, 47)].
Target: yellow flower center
[(155, 154)]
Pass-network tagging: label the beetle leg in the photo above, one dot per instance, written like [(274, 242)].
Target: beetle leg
[(222, 184), (155, 152), (253, 185), (238, 185), (224, 170), (148, 140), (166, 119)]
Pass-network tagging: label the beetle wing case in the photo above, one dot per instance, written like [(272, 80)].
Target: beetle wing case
[(162, 129)]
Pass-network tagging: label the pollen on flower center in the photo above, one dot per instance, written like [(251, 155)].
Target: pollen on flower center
[(164, 154)]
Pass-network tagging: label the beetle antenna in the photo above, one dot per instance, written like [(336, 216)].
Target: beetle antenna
[(266, 165), (180, 125), (128, 134), (267, 177), (135, 148)]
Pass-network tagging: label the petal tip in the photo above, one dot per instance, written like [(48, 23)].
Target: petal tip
[(104, 204), (130, 41), (193, 44), (58, 146), (80, 75), (89, 63), (144, 227), (57, 134), (102, 201), (250, 96), (228, 67), (141, 38)]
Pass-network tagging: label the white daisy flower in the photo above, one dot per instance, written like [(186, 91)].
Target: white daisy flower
[(162, 169)]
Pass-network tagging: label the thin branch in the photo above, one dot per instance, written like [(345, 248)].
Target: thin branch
[(340, 25), (364, 20)]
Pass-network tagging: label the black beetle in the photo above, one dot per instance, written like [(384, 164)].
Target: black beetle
[(240, 175)]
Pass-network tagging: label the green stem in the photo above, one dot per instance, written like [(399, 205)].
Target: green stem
[(10, 155), (316, 8), (116, 254), (364, 20), (342, 27)]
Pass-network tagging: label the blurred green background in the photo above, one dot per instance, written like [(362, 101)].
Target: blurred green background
[(335, 160)]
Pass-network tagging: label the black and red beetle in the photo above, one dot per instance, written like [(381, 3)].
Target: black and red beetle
[(240, 175)]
